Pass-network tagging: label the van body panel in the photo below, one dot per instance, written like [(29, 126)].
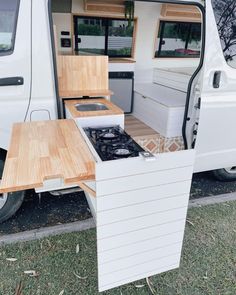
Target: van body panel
[(14, 99), (43, 95), (215, 142)]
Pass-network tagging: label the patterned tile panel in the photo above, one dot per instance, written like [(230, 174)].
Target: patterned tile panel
[(159, 144)]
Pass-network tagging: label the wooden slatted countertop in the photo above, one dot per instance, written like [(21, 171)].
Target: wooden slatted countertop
[(112, 109), (46, 150)]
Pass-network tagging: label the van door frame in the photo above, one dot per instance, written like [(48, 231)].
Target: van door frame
[(180, 2)]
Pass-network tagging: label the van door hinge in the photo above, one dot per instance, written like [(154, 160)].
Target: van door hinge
[(195, 134)]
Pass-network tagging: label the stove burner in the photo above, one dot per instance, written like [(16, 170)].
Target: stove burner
[(112, 143), (108, 135), (122, 152)]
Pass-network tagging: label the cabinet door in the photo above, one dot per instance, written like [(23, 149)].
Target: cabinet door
[(141, 212)]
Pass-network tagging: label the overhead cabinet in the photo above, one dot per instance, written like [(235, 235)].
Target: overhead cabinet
[(111, 6), (182, 12)]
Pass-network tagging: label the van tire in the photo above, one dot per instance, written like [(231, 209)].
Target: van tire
[(10, 202), (225, 175)]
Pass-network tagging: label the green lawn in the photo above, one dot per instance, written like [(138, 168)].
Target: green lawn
[(208, 265)]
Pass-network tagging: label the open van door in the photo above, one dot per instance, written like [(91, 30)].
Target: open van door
[(215, 137), (15, 64)]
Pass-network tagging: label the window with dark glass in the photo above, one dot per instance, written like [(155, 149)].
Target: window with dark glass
[(178, 39), (8, 16), (225, 15), (103, 36)]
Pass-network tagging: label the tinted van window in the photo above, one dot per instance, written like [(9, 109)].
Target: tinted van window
[(8, 16), (225, 14)]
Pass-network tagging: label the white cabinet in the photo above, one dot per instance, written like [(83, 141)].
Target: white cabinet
[(176, 78), (160, 107), (140, 210)]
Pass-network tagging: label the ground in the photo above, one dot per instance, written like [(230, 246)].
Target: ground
[(208, 265)]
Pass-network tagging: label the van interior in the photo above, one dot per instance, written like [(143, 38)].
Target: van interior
[(152, 53)]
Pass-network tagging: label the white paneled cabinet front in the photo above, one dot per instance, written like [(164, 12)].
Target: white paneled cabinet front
[(141, 209)]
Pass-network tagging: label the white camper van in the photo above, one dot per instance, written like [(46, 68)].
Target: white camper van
[(126, 100)]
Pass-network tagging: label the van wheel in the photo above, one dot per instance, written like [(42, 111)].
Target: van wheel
[(226, 174), (10, 202)]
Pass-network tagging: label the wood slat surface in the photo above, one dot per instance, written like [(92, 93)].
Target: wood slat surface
[(81, 93), (134, 127), (82, 75), (46, 150), (112, 109)]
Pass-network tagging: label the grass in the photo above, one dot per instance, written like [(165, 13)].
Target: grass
[(208, 264)]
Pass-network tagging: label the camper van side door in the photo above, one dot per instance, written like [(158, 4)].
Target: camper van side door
[(15, 64), (216, 137)]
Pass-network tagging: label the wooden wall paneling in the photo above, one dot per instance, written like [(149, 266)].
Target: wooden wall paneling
[(143, 245), (142, 237), (125, 226), (137, 210), (137, 273), (155, 231), (165, 161), (144, 195), (146, 252)]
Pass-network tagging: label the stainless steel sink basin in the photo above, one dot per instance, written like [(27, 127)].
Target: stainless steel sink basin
[(88, 107)]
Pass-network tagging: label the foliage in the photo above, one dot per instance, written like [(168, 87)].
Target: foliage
[(225, 12), (129, 12), (90, 30), (121, 31)]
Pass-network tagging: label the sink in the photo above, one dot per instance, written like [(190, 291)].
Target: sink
[(88, 107)]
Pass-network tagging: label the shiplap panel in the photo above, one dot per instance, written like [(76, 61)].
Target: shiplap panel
[(140, 235), (143, 269), (123, 168), (135, 182), (138, 210), (140, 258), (141, 246), (142, 222), (150, 273), (143, 195), (132, 235)]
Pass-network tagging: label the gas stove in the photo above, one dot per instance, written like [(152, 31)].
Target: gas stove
[(112, 143)]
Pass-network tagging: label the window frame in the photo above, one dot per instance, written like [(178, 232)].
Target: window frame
[(106, 36), (11, 51), (160, 27)]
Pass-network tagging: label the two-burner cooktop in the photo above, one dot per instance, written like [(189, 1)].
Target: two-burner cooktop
[(112, 143)]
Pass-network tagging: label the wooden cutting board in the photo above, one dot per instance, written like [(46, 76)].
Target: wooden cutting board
[(46, 150)]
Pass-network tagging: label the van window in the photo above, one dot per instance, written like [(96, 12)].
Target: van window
[(225, 14), (8, 17), (106, 36), (178, 39)]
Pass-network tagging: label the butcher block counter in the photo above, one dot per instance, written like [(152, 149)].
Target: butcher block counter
[(112, 108), (45, 151)]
